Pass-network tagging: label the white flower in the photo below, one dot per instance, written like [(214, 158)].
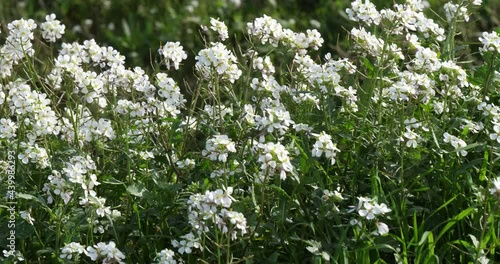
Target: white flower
[(173, 54), (16, 254), (92, 252), (187, 163), (453, 11), (218, 148), (496, 186), (493, 136), (274, 157), (7, 128), (411, 137), (108, 252), (382, 228), (52, 29), (113, 254), (264, 65), (2, 94), (456, 142), (165, 256), (365, 11), (70, 249), (266, 29), (27, 216), (369, 209), (491, 42), (336, 195), (219, 27), (218, 61), (325, 145), (188, 242)]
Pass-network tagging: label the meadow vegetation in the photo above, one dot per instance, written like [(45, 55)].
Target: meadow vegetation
[(245, 141)]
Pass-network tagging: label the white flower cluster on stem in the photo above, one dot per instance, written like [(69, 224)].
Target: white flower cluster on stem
[(217, 61), (218, 148), (324, 145), (173, 53), (273, 158)]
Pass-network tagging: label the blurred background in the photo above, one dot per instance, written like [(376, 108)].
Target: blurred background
[(137, 28)]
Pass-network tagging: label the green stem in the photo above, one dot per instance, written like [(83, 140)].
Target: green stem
[(485, 207), (489, 77)]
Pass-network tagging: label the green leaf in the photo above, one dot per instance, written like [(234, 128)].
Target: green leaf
[(484, 166), (424, 237), (281, 191), (46, 251), (126, 28), (26, 196), (136, 189), (113, 181), (455, 220), (367, 63)]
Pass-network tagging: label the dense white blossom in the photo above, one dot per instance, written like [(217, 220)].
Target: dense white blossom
[(219, 27), (109, 253), (52, 29), (274, 158), (218, 148), (490, 41), (218, 61), (173, 53), (324, 145), (365, 11), (165, 256), (71, 250)]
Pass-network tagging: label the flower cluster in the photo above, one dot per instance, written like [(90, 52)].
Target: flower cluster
[(88, 128), (218, 148), (107, 252), (275, 118), (173, 53), (7, 128), (219, 27), (369, 209), (456, 142), (274, 157), (212, 209), (52, 29), (17, 45), (34, 106), (31, 152), (71, 250), (76, 173), (373, 45), (172, 99), (187, 243), (491, 42), (165, 256), (364, 11), (217, 61), (267, 29), (324, 145)]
